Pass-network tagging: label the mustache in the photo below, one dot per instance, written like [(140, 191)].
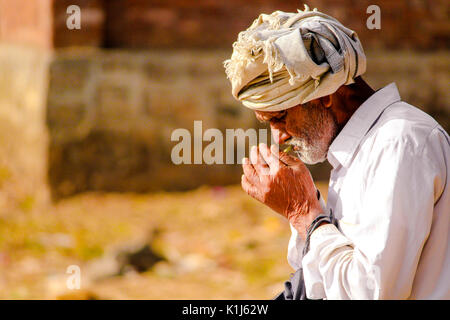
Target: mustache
[(293, 141)]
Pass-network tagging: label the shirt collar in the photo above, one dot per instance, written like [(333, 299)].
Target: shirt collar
[(344, 145)]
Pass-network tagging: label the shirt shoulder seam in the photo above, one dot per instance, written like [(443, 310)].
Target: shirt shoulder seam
[(425, 143)]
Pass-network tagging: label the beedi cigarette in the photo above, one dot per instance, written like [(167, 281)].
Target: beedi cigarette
[(287, 149)]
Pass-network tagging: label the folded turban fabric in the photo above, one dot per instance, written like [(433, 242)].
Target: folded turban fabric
[(285, 59)]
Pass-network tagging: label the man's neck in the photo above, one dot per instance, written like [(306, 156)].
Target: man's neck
[(349, 99)]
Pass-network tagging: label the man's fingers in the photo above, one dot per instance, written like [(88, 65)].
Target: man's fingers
[(284, 157), (273, 162), (258, 162), (249, 188), (249, 171)]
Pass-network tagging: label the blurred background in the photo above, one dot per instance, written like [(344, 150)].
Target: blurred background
[(86, 117)]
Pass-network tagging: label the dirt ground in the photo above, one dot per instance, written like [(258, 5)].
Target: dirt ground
[(210, 243)]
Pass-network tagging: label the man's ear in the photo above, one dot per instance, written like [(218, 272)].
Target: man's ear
[(327, 101)]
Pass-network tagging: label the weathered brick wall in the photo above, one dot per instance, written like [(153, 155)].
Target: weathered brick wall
[(92, 30), (418, 24), (415, 24), (405, 24)]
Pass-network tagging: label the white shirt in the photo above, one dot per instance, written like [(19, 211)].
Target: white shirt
[(389, 189)]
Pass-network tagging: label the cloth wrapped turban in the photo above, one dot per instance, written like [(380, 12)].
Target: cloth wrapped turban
[(285, 59)]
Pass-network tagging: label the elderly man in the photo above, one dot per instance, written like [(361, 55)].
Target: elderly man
[(384, 233)]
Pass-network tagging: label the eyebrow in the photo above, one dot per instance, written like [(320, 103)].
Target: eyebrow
[(279, 115)]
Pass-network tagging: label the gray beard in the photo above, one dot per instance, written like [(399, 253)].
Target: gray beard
[(315, 149), (310, 153)]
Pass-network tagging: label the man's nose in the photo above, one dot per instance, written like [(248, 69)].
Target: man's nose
[(279, 133)]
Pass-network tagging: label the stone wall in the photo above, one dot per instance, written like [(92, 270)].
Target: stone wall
[(111, 113), (23, 134), (422, 78)]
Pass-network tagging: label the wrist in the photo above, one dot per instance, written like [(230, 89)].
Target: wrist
[(302, 222), (313, 213)]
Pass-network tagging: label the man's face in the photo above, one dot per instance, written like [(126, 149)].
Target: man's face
[(309, 128)]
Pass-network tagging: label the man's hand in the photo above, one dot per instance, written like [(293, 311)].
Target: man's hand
[(283, 183)]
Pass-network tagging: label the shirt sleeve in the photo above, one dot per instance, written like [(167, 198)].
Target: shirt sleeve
[(401, 187)]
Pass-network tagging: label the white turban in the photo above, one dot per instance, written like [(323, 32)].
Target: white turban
[(286, 59)]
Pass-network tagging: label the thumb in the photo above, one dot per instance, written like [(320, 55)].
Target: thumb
[(283, 156)]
